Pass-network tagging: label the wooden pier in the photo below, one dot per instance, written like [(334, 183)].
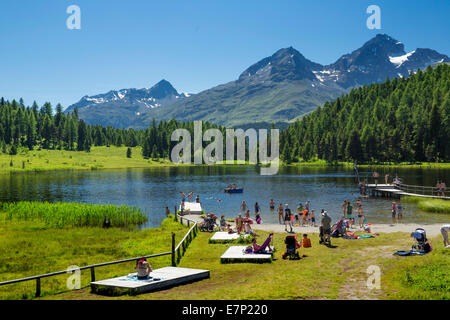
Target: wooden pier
[(398, 190)]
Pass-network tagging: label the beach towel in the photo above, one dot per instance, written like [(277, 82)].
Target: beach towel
[(135, 278)]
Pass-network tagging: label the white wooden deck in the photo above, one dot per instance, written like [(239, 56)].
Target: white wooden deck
[(224, 237), (192, 207), (236, 254), (168, 277)]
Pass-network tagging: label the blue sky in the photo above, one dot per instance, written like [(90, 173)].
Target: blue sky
[(193, 44)]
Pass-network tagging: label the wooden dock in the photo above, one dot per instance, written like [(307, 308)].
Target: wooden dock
[(160, 279), (236, 254), (398, 190), (192, 208)]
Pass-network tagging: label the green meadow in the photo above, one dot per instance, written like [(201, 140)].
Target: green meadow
[(54, 160), (30, 247)]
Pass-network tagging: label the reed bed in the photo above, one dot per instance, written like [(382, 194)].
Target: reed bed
[(73, 214), (430, 205)]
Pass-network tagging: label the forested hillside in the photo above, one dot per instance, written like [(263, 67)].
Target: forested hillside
[(41, 128), (404, 119)]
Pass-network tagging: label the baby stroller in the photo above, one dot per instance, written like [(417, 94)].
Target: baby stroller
[(291, 248), (421, 243), (338, 229), (208, 224)]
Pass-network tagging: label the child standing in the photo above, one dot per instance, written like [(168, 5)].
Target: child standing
[(313, 218)]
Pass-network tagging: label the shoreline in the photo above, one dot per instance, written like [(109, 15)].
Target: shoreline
[(432, 229)]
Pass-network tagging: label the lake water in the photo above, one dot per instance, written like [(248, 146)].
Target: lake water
[(153, 189)]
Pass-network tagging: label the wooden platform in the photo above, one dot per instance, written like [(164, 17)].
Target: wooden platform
[(160, 279), (224, 237), (192, 207), (391, 190), (236, 254)]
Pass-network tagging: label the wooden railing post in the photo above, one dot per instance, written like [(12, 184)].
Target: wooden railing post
[(92, 274), (174, 264), (175, 213), (38, 287)]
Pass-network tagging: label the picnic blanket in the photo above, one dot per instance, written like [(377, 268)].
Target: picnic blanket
[(409, 253)]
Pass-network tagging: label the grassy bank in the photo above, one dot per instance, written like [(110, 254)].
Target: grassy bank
[(429, 205), (115, 158), (326, 273), (425, 165), (71, 214), (30, 248), (53, 160)]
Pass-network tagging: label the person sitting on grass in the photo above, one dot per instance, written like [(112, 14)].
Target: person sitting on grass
[(143, 269), (306, 242)]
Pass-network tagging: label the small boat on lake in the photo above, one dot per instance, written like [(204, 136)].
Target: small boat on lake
[(231, 190)]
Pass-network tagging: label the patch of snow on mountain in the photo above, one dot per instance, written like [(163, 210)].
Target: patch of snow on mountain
[(96, 100), (400, 59)]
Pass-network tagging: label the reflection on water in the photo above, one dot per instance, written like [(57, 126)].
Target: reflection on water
[(153, 189)]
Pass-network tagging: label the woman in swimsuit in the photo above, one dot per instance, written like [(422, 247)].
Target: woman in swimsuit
[(280, 214)]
